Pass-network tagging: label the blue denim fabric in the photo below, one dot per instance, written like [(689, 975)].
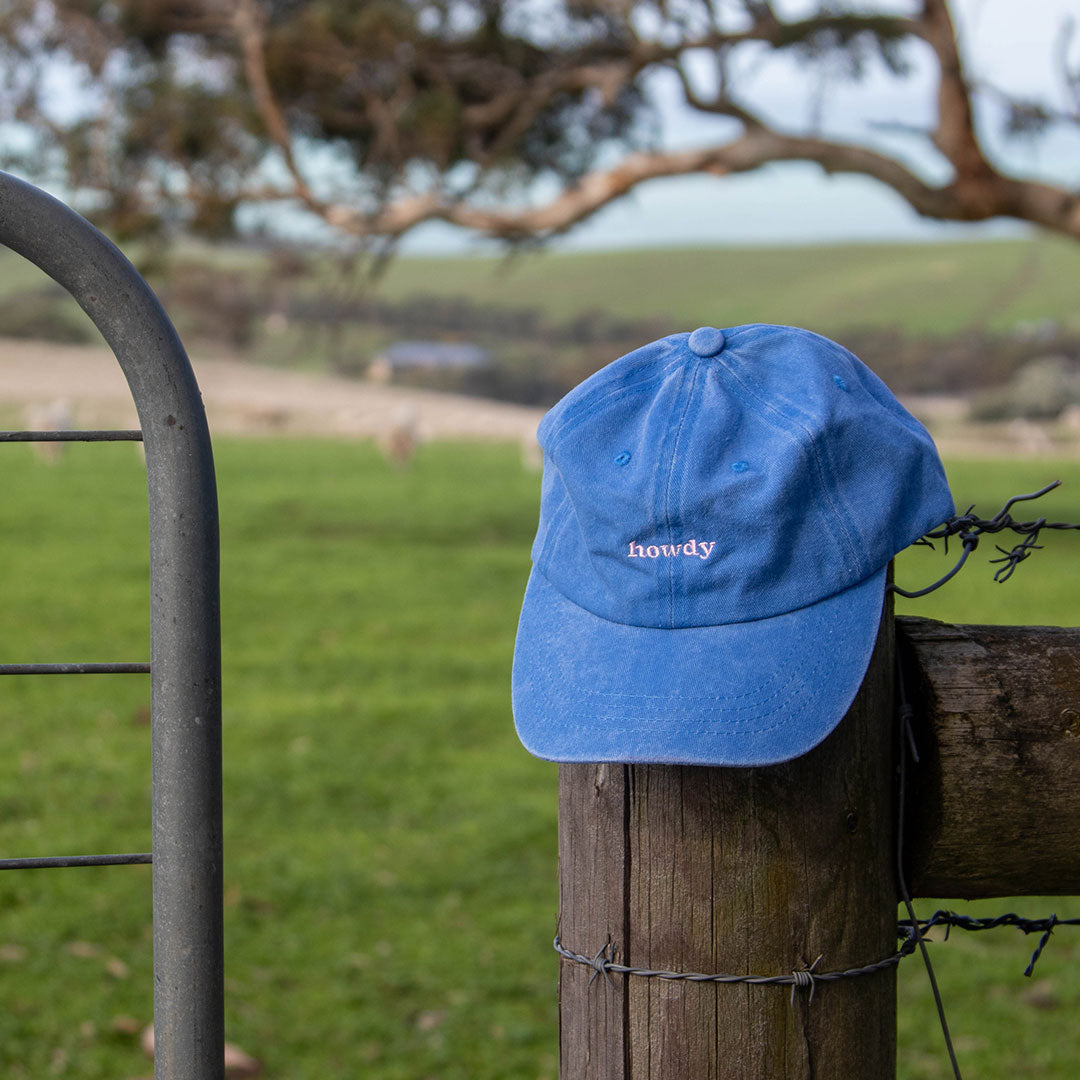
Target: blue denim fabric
[(717, 514)]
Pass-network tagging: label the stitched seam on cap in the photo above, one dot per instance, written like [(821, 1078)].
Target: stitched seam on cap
[(617, 699), (589, 410), (593, 407), (797, 414), (822, 472), (754, 710), (850, 521), (689, 395), (557, 518), (557, 528), (784, 428)]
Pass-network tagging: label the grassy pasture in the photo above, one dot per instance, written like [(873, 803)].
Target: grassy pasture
[(390, 875), (920, 288)]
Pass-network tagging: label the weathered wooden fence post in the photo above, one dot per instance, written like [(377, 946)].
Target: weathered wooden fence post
[(759, 871), (743, 871)]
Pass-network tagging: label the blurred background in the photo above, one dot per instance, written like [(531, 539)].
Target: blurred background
[(391, 233)]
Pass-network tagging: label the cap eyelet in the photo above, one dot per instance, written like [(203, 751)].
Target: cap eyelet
[(623, 458), (840, 382), (740, 466)]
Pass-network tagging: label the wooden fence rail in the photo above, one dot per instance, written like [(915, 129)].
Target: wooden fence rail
[(761, 871), (994, 801)]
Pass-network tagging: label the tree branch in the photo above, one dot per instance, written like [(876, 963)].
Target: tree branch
[(247, 21), (977, 191), (955, 134), (1069, 75), (600, 188), (1038, 203), (400, 100)]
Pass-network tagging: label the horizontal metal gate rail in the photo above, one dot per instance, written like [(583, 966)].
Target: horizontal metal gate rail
[(75, 669), (53, 862), (70, 436), (185, 636)]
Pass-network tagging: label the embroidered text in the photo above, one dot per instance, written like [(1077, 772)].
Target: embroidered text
[(700, 548)]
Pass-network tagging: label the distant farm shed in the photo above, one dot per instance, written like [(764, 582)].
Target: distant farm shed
[(429, 356)]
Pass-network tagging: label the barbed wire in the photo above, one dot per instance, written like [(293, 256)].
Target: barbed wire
[(801, 978), (950, 919), (970, 528), (603, 962)]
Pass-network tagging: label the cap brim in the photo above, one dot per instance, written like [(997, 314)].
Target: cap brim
[(752, 693)]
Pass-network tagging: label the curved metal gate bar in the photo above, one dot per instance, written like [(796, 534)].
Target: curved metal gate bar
[(185, 638)]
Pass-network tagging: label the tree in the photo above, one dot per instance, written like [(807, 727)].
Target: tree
[(377, 115)]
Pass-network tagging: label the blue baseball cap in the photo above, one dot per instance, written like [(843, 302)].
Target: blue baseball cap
[(717, 517)]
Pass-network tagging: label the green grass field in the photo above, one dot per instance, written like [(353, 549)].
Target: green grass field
[(390, 875)]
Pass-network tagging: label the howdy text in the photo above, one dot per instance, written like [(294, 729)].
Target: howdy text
[(701, 548)]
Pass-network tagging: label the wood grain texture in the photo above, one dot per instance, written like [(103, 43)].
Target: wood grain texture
[(994, 805), (754, 871), (593, 860)]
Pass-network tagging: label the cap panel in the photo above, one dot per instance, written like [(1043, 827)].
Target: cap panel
[(751, 484), (780, 373), (879, 468), (894, 490), (552, 511), (610, 469), (635, 370), (896, 487)]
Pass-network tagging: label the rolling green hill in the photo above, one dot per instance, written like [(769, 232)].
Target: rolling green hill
[(939, 288), (921, 288)]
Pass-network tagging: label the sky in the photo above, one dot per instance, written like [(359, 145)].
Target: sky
[(1008, 44)]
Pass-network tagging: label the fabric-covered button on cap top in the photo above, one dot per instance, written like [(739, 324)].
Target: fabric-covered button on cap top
[(706, 341)]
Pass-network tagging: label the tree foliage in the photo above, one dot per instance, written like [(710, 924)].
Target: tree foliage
[(377, 115)]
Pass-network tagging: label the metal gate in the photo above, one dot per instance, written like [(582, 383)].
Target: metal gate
[(185, 636)]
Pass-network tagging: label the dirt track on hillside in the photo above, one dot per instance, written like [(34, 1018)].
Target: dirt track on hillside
[(243, 398)]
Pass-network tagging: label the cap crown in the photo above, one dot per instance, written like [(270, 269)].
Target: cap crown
[(726, 476)]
